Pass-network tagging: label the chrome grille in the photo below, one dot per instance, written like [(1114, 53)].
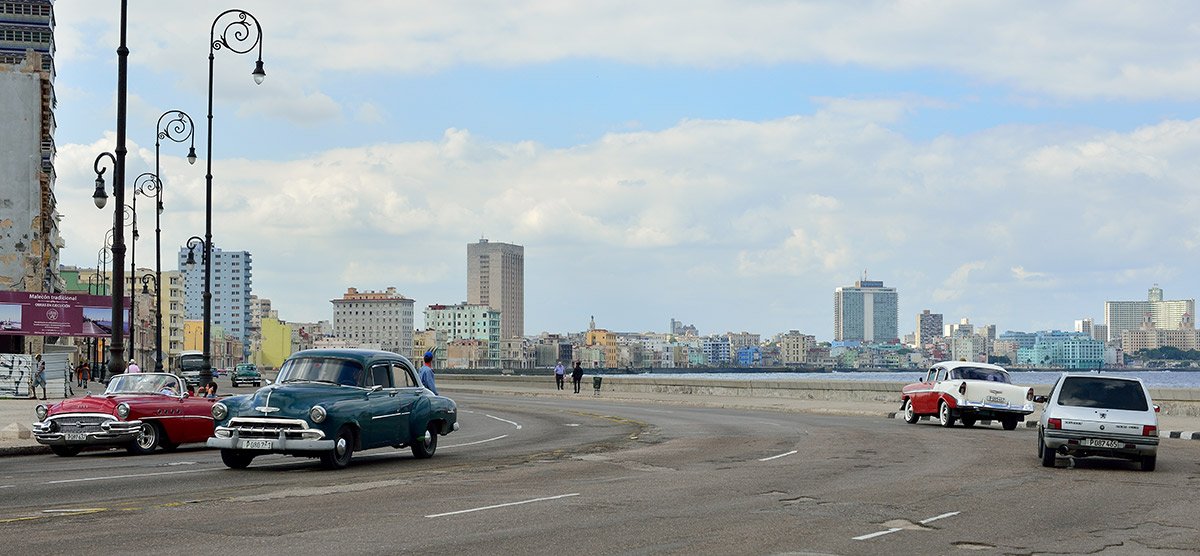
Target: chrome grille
[(80, 423), (262, 427)]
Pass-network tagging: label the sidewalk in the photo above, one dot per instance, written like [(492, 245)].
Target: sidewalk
[(17, 414)]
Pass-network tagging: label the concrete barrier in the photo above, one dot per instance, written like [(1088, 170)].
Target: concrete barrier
[(1173, 401)]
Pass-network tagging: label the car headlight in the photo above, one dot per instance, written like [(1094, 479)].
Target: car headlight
[(219, 411), (122, 410), (41, 412), (317, 414)]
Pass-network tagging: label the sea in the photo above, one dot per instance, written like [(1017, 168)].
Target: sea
[(1152, 379)]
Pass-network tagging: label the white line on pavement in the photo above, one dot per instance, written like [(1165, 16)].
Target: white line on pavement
[(513, 423), (894, 529), (85, 479), (505, 505), (7, 486), (779, 456), (476, 442)]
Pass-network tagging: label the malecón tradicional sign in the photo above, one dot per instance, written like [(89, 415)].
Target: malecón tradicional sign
[(57, 314)]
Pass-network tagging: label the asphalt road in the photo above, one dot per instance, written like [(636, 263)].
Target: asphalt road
[(590, 476)]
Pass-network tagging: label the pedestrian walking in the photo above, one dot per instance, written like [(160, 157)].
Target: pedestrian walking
[(426, 374), (133, 367), (577, 376), (558, 375), (39, 376)]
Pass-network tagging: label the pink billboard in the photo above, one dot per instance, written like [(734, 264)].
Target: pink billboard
[(57, 314)]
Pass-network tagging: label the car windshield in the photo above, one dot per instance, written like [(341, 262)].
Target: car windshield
[(1109, 393), (143, 383), (245, 368), (980, 373), (315, 369)]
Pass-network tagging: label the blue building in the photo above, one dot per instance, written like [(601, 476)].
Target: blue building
[(231, 291), (749, 356), (1069, 350)]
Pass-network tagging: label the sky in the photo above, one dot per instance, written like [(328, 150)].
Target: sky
[(724, 163)]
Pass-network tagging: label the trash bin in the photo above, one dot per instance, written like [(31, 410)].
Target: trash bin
[(596, 384)]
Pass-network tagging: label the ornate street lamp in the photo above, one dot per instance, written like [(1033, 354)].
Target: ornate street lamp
[(117, 347), (147, 185), (240, 33), (177, 126)]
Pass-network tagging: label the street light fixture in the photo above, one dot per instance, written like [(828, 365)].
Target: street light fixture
[(148, 185), (240, 34), (117, 347), (176, 126)]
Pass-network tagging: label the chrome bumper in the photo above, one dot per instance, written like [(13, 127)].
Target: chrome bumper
[(113, 432), (1060, 440), (270, 436)]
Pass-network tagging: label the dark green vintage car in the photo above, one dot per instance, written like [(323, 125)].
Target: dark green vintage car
[(329, 403), (245, 373)]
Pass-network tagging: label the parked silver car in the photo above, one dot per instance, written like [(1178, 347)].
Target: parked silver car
[(1088, 414)]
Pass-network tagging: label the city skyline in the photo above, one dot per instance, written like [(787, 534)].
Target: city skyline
[(727, 166)]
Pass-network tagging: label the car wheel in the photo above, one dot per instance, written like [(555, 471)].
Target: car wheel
[(65, 451), (910, 414), (424, 446), (257, 384), (1148, 462), (968, 421), (236, 459), (945, 417), (169, 446), (343, 450), (1009, 423), (233, 383), (148, 438), (1045, 452)]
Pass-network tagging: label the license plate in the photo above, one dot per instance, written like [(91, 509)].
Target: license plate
[(255, 444), (76, 436), (1100, 443), (995, 400)]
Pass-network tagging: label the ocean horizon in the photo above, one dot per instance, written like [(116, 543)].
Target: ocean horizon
[(1153, 379)]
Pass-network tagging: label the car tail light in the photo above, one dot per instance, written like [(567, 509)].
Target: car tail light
[(1156, 408), (1054, 423), (1149, 430), (962, 388), (1029, 395)]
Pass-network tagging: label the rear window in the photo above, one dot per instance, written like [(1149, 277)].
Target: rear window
[(1107, 393), (980, 373)]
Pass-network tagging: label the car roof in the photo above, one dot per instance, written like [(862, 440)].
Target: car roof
[(951, 365), (1100, 375), (363, 356)]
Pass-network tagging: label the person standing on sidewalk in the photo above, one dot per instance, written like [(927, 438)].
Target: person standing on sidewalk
[(426, 373), (133, 367), (577, 376), (39, 377), (558, 375)]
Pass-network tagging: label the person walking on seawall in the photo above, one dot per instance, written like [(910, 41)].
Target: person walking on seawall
[(39, 377), (133, 367), (558, 375), (577, 376), (426, 374)]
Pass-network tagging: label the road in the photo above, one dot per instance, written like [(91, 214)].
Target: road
[(590, 476)]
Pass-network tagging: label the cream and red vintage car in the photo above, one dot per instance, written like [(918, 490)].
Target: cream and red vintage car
[(138, 412), (967, 392)]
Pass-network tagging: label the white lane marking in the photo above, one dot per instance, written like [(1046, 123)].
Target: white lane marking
[(8, 486), (513, 423), (85, 479), (779, 456), (476, 442), (894, 529), (174, 463), (878, 534), (570, 424), (504, 505), (73, 510), (935, 518)]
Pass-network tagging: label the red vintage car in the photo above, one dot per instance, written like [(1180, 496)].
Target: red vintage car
[(138, 412)]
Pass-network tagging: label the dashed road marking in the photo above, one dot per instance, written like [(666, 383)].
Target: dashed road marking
[(891, 530), (105, 478), (475, 442), (785, 454), (505, 505), (513, 423)]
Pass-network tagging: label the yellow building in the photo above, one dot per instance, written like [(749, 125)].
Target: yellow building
[(606, 341), (276, 344), (193, 335)]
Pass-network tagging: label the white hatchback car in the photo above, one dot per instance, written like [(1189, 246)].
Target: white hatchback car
[(1088, 414)]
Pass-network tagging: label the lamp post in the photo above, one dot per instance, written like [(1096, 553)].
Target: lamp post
[(177, 126), (147, 279), (240, 33), (117, 348), (147, 185), (131, 216)]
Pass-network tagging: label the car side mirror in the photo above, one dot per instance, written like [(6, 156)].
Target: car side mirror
[(376, 388), (186, 395), (1040, 399)]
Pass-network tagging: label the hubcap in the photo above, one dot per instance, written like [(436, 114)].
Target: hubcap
[(146, 436), (341, 446), (428, 438)]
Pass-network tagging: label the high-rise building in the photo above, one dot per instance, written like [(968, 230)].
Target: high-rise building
[(929, 326), (866, 311), (496, 278), (30, 240), (231, 290), (384, 318), (1152, 313)]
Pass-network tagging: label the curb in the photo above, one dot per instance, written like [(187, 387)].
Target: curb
[(35, 450), (1183, 435)]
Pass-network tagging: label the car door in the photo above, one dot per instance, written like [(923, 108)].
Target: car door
[(924, 398), (383, 407), (410, 395)]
